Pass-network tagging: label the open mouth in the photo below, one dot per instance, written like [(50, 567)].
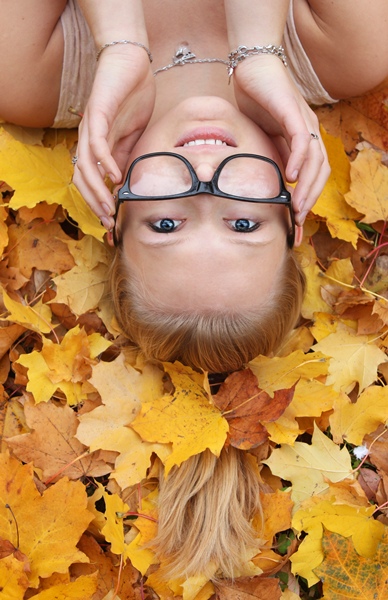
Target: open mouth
[(209, 136), (207, 142)]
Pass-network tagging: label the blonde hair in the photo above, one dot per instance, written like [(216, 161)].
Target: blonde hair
[(205, 511), (207, 504), (217, 341)]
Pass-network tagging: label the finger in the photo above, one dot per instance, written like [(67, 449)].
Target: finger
[(313, 177), (89, 178), (94, 147), (299, 130)]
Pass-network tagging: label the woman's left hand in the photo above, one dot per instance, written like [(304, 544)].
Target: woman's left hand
[(265, 92)]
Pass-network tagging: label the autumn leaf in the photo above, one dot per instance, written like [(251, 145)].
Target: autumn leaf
[(51, 445), (83, 587), (312, 301), (83, 286), (107, 427), (261, 588), (21, 167), (244, 405), (13, 579), (309, 466), (352, 421), (356, 522), (186, 418), (354, 359), (63, 366), (37, 317), (369, 188), (331, 203), (305, 372), (347, 575), (39, 245), (46, 528)]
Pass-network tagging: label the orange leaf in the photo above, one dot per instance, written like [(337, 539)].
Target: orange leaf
[(244, 405), (346, 575), (262, 588)]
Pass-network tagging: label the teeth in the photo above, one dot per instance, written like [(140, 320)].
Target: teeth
[(200, 142)]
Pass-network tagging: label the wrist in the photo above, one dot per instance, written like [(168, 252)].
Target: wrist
[(123, 47)]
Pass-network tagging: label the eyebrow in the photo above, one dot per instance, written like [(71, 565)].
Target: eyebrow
[(175, 242), (162, 243)]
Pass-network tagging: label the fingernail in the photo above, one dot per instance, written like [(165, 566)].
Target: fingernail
[(112, 178), (294, 175), (106, 209), (106, 222)]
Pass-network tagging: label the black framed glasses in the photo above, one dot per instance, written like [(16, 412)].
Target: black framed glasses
[(242, 177)]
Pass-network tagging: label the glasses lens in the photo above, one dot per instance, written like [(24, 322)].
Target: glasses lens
[(161, 175), (250, 178)]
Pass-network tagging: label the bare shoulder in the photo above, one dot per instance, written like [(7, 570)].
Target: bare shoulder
[(346, 41)]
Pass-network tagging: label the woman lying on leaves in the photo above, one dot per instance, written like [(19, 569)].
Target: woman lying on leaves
[(210, 278)]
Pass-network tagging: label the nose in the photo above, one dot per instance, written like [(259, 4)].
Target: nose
[(205, 171)]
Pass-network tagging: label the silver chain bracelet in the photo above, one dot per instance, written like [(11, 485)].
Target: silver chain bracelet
[(242, 52)]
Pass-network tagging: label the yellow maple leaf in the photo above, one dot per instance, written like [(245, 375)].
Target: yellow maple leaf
[(331, 204), (83, 587), (122, 388), (354, 359), (113, 530), (88, 252), (186, 419), (13, 579), (40, 174), (81, 289), (37, 317), (312, 301), (84, 286), (309, 467), (62, 365), (369, 186), (349, 521), (351, 421), (3, 229), (48, 525)]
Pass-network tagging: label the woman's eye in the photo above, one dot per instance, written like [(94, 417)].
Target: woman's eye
[(165, 225), (244, 225)]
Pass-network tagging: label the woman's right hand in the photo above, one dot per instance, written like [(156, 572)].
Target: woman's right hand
[(117, 112)]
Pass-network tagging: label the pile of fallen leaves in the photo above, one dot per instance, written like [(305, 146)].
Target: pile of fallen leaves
[(85, 422)]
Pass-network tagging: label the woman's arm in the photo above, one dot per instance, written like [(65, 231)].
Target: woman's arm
[(265, 91), (121, 101)]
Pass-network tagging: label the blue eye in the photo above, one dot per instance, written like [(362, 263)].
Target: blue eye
[(244, 225), (165, 225)]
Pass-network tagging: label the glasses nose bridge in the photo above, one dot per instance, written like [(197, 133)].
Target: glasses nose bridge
[(205, 187)]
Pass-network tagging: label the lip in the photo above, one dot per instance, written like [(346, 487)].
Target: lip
[(207, 133)]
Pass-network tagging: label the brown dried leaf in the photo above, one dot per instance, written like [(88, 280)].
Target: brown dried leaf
[(261, 588), (51, 445), (244, 405)]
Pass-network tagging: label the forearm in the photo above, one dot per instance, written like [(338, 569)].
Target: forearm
[(255, 22), (112, 20)]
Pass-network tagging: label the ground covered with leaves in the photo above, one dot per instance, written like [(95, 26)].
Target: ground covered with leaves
[(84, 422)]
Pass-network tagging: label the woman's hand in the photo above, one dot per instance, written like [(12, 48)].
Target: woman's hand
[(118, 110), (266, 93)]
